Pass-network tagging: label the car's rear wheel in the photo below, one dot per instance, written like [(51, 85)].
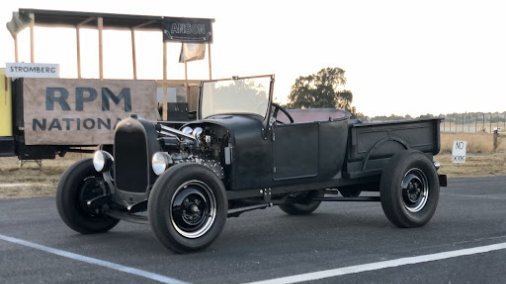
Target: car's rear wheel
[(79, 184), (409, 189), (303, 203), (187, 208)]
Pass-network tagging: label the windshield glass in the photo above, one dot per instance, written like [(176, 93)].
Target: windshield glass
[(244, 95)]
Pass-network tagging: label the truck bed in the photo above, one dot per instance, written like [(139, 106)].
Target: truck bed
[(371, 145)]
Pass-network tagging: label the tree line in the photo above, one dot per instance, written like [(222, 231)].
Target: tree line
[(327, 89)]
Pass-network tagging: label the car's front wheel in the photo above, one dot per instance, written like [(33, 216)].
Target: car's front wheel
[(79, 184), (187, 208)]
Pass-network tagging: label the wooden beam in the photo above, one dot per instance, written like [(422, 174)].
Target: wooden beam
[(86, 21), (144, 24), (32, 43), (165, 113), (209, 61), (78, 50), (186, 71), (134, 58), (178, 82), (16, 57), (100, 23)]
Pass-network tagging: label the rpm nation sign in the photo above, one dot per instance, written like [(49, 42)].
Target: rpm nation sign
[(82, 111)]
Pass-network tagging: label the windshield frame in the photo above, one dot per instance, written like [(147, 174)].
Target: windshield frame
[(269, 99)]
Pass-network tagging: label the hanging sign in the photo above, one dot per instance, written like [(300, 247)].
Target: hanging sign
[(82, 111), (187, 30)]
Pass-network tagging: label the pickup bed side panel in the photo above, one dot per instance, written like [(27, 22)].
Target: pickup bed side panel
[(372, 144)]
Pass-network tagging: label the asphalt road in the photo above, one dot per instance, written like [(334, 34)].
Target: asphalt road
[(464, 243)]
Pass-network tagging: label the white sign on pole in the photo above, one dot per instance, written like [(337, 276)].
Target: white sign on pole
[(32, 70), (459, 151)]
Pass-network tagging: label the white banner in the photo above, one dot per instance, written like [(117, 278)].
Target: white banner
[(32, 70), (82, 112)]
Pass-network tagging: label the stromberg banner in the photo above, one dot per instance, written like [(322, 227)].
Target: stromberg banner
[(187, 30), (32, 70), (82, 111)]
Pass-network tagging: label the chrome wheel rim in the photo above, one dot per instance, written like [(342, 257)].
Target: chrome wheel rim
[(415, 190), (193, 209)]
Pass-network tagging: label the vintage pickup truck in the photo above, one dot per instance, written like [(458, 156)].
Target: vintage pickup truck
[(245, 152)]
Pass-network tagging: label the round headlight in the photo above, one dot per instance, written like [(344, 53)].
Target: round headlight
[(187, 130), (102, 161), (160, 162), (197, 131)]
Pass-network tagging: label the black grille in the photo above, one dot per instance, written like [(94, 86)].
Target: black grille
[(131, 156)]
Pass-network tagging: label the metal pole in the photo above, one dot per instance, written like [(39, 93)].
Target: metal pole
[(483, 122), (476, 123), (463, 122), (490, 127)]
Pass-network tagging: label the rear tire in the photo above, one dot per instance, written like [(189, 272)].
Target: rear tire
[(78, 184), (187, 208), (409, 189), (302, 203)]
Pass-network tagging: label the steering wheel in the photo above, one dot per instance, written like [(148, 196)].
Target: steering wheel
[(278, 108)]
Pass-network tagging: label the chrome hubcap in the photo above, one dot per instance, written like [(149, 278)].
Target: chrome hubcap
[(415, 190)]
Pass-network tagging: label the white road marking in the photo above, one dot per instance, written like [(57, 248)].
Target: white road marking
[(95, 261), (381, 265)]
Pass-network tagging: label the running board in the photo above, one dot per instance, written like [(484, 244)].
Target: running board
[(238, 211), (351, 199)]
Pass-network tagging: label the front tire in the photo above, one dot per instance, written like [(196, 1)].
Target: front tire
[(78, 184), (187, 208), (409, 189)]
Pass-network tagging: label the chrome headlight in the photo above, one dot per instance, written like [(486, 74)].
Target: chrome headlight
[(102, 161), (197, 132), (187, 130), (160, 162)]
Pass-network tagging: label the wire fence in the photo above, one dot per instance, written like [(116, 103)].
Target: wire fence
[(474, 122)]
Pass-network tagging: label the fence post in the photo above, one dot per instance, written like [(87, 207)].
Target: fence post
[(490, 124), (496, 138)]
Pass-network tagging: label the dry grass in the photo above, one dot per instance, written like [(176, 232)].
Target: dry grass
[(30, 180), (481, 159), (477, 143), (475, 165)]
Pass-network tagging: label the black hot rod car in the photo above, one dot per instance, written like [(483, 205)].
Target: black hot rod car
[(243, 153)]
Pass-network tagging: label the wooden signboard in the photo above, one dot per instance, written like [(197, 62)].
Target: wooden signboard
[(82, 111)]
